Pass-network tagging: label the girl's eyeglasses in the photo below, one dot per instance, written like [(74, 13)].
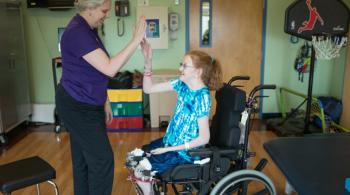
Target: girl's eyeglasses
[(184, 65)]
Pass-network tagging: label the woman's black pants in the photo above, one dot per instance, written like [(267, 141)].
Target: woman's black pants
[(92, 155)]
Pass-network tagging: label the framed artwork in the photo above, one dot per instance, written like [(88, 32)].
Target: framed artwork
[(152, 30), (157, 25)]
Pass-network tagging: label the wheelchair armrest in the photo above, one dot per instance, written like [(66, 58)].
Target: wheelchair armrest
[(208, 152), (203, 152)]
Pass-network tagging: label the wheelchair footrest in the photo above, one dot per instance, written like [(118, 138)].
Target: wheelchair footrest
[(261, 165), (185, 192)]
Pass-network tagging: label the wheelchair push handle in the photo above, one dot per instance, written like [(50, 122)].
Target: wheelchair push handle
[(236, 78), (260, 87)]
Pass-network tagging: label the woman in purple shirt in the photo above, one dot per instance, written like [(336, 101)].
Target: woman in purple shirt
[(81, 98)]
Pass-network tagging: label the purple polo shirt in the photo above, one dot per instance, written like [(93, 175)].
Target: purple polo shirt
[(79, 78)]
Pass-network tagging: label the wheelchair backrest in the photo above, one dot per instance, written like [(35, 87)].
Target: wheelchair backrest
[(224, 129)]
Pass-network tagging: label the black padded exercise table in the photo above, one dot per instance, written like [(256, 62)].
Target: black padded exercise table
[(313, 165)]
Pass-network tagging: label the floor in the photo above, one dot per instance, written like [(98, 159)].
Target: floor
[(42, 141)]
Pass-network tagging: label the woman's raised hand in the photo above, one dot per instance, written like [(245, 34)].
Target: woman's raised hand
[(140, 30)]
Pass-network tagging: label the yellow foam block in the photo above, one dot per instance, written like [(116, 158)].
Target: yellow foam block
[(124, 95)]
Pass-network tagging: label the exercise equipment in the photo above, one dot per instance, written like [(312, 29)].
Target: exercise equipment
[(325, 20), (313, 164)]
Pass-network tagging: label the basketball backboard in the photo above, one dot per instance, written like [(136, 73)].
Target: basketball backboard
[(305, 18)]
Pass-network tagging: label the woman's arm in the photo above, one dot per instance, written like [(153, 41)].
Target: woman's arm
[(202, 139), (148, 86), (110, 66)]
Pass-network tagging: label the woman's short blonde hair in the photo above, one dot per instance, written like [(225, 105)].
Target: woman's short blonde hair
[(82, 5)]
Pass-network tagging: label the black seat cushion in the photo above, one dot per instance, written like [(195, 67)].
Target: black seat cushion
[(25, 172)]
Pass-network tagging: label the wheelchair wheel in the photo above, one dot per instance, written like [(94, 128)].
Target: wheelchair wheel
[(244, 182)]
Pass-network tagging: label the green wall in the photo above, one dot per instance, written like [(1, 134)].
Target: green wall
[(280, 54), (41, 34)]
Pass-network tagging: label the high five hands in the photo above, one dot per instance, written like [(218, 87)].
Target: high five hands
[(140, 29)]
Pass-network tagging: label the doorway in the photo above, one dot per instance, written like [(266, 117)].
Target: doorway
[(237, 36)]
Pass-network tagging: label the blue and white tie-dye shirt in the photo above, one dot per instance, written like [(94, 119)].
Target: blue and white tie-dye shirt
[(191, 105)]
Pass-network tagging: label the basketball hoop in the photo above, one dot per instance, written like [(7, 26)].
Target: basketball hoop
[(327, 47)]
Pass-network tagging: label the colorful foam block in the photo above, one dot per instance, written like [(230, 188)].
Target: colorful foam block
[(127, 109), (125, 95), (126, 123)]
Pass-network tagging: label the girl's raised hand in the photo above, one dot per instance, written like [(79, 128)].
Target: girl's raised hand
[(146, 49)]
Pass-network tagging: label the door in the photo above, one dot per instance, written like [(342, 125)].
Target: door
[(236, 37)]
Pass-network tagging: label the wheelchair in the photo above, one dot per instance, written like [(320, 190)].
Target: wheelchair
[(224, 168)]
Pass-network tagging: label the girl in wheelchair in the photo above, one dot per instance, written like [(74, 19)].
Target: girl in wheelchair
[(189, 126)]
